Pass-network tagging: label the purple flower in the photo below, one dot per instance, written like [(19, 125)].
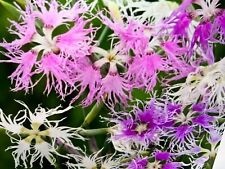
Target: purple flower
[(174, 107), (204, 120), (160, 156), (141, 126), (172, 165), (138, 163), (198, 107), (183, 132)]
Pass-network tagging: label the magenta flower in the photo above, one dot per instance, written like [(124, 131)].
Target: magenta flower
[(177, 57), (160, 156), (218, 28), (140, 127)]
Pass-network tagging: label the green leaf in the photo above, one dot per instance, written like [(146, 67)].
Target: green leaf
[(12, 10)]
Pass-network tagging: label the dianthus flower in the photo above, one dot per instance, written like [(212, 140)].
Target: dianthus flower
[(205, 84), (140, 127), (39, 48), (32, 143), (92, 161)]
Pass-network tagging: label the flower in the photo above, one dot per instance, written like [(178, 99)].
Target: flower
[(138, 163), (144, 69), (84, 161), (138, 128), (50, 54), (206, 85), (32, 144)]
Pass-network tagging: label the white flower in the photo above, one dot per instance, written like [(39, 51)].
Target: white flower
[(93, 161), (21, 152), (13, 126), (142, 10), (208, 8), (32, 145), (206, 84)]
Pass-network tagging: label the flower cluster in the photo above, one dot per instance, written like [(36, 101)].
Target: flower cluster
[(172, 129)]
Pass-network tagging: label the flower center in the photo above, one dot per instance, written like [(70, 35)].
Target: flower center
[(141, 128), (111, 57), (155, 165)]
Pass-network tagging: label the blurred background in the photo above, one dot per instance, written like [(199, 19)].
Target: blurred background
[(9, 106)]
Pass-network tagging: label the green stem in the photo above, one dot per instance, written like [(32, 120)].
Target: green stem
[(102, 36), (92, 114), (210, 163), (94, 132)]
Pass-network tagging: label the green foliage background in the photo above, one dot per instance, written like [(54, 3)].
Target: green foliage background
[(74, 118)]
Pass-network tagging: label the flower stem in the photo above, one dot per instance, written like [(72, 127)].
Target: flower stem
[(102, 36), (92, 114), (94, 132), (210, 163)]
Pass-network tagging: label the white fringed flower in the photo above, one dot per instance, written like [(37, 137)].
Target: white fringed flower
[(206, 84), (30, 144), (142, 10), (93, 161)]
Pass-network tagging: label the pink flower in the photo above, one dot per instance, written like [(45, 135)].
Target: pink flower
[(178, 60), (144, 69), (24, 30), (54, 55), (76, 42), (22, 74), (88, 77), (115, 88), (103, 78), (57, 70), (131, 34)]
